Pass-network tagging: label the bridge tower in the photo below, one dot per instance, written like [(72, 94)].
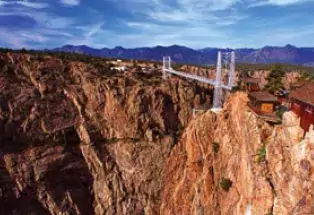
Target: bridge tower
[(217, 100), (166, 66), (223, 60)]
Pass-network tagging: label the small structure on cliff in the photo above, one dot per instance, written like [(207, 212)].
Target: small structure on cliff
[(249, 84), (264, 101), (302, 104), (263, 104)]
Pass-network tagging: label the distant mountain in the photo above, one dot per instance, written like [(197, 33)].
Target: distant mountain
[(181, 54)]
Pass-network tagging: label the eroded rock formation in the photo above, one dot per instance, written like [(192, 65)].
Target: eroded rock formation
[(77, 139), (215, 148)]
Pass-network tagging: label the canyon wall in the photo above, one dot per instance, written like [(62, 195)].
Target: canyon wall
[(77, 140)]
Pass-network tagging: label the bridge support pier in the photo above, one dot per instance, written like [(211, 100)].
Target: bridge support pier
[(166, 65), (217, 100)]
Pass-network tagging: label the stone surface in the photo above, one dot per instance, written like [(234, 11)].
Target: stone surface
[(76, 140), (194, 171), (290, 162)]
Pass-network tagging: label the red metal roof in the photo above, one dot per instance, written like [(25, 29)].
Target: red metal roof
[(299, 84), (263, 96), (304, 93)]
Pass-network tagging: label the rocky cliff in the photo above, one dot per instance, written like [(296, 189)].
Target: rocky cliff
[(79, 140), (76, 139)]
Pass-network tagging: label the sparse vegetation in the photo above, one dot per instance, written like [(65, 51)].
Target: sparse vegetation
[(285, 67), (225, 184), (216, 147), (306, 76), (279, 113), (261, 154), (176, 66), (236, 89), (180, 128), (112, 140), (274, 79)]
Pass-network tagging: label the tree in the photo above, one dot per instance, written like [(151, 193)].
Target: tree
[(244, 73), (24, 51), (305, 76), (275, 79), (134, 63), (139, 69)]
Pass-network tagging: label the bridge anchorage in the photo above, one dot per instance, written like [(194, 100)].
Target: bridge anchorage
[(225, 62)]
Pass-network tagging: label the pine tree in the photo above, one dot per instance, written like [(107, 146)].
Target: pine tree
[(275, 79)]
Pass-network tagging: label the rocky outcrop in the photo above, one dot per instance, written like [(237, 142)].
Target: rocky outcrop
[(216, 150), (78, 139), (289, 79), (291, 164)]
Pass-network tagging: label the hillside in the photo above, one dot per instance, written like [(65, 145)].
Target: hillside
[(288, 54)]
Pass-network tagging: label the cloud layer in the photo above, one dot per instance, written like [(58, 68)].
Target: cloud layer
[(70, 2), (132, 23)]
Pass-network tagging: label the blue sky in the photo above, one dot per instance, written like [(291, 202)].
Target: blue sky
[(137, 23)]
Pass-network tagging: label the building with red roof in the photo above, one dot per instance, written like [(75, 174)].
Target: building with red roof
[(302, 104)]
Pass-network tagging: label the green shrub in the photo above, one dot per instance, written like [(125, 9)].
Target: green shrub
[(225, 184), (180, 127), (112, 140), (279, 114), (216, 147), (235, 89), (261, 154)]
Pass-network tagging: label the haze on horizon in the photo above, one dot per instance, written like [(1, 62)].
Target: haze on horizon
[(40, 24)]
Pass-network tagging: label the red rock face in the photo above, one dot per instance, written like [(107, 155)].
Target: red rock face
[(212, 150), (291, 165), (77, 139)]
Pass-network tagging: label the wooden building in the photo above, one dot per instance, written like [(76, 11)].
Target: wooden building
[(263, 101), (302, 104), (250, 84)]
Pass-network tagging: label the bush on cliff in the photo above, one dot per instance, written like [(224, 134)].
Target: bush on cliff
[(225, 184), (261, 154)]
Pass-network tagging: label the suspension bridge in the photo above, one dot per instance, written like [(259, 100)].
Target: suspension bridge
[(227, 58)]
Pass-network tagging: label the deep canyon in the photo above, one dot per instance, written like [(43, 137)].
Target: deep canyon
[(77, 139)]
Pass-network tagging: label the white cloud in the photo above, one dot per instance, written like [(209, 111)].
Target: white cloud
[(277, 2), (48, 26), (190, 22), (209, 5), (70, 2), (43, 19), (89, 35), (35, 5), (20, 39)]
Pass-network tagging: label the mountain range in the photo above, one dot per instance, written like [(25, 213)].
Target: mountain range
[(269, 54)]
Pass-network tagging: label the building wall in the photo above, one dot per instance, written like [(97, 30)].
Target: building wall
[(267, 107), (253, 87), (305, 112)]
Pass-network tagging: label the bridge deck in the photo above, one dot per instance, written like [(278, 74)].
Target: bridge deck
[(197, 78)]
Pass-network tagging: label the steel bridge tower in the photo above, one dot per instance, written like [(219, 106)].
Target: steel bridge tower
[(222, 58)]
